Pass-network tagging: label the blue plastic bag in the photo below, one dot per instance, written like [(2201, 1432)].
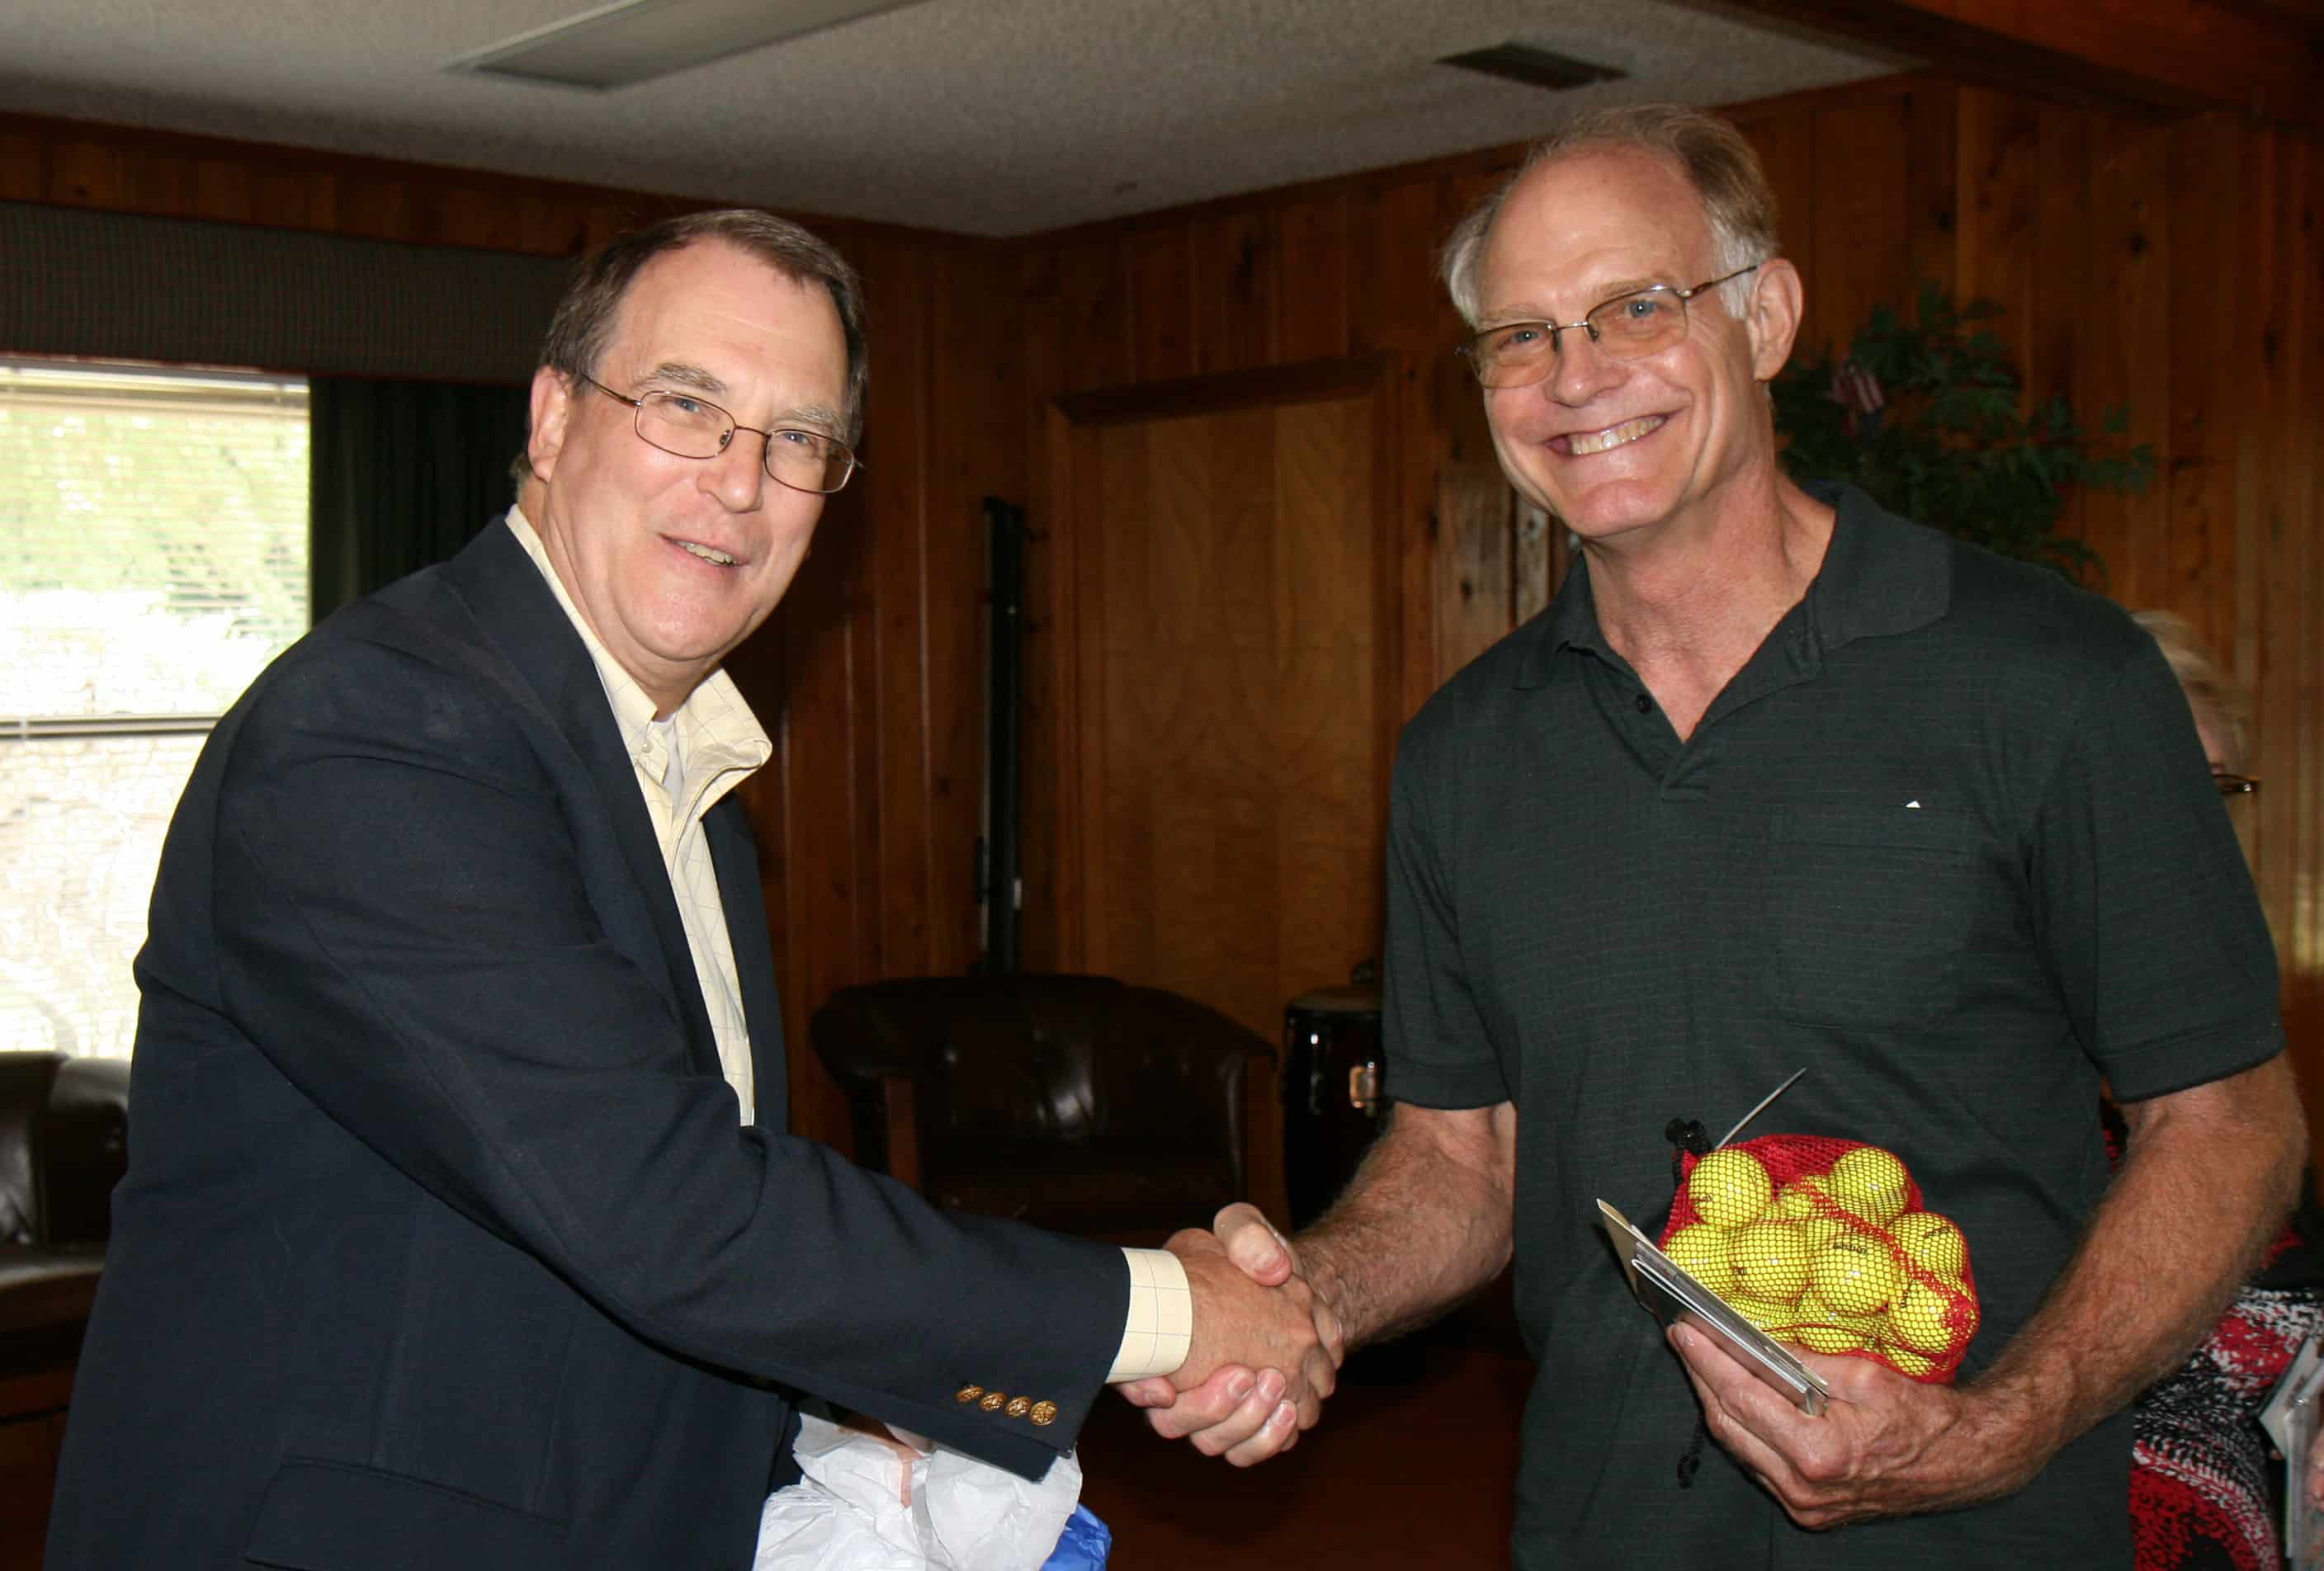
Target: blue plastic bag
[(1084, 1545)]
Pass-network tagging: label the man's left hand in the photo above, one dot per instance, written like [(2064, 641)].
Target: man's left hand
[(1885, 1446)]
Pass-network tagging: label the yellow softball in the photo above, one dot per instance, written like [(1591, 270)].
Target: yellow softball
[(1770, 1259), (1933, 1243), (1730, 1187), (1926, 1318), (1702, 1252), (1870, 1182), (1854, 1276), (1822, 1230)]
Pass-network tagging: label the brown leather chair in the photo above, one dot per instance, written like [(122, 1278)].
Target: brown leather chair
[(64, 1143), (1073, 1102)]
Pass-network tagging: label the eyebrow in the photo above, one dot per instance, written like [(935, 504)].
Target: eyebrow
[(679, 374), (1612, 290), (682, 373)]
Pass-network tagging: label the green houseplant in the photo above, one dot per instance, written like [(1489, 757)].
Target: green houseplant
[(1925, 416)]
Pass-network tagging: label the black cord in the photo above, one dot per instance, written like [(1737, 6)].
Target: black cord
[(1685, 1135)]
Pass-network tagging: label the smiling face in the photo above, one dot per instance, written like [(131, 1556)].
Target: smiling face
[(1614, 445), (674, 561)]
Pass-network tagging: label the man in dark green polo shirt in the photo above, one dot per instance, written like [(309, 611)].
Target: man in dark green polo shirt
[(1780, 781)]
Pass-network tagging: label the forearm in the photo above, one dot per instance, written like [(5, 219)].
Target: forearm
[(1424, 1222), (2205, 1185)]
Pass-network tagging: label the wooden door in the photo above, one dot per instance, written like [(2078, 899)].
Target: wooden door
[(1231, 602)]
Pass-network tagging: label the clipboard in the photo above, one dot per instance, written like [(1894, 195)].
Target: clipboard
[(1671, 1295)]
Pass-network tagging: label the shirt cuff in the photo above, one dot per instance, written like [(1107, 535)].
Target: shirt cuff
[(1161, 1323)]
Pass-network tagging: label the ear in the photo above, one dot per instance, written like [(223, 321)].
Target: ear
[(1773, 317), (552, 406)]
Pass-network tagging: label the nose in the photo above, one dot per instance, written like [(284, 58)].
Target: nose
[(1582, 369), (737, 476)]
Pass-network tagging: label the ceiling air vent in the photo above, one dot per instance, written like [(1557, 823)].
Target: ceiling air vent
[(634, 41), (1536, 68)]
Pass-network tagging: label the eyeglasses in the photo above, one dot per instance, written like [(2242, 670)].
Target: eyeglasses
[(2233, 785), (689, 426), (1627, 328)]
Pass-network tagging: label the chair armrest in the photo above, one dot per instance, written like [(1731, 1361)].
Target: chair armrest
[(84, 1149)]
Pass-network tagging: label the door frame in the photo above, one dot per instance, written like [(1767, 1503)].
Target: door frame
[(1066, 788)]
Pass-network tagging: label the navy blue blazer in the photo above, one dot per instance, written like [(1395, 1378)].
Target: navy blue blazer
[(440, 1245)]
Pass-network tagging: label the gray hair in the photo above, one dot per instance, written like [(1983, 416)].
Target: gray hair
[(1713, 156), (2214, 695), (585, 317)]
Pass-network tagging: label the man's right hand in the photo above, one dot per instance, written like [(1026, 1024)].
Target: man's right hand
[(1231, 1397)]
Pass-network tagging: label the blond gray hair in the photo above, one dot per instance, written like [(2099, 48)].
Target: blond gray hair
[(1716, 161), (2215, 697)]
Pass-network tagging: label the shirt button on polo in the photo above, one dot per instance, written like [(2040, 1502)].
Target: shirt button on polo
[(1645, 704)]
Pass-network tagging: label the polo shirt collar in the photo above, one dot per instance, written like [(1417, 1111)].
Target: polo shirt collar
[(1880, 576)]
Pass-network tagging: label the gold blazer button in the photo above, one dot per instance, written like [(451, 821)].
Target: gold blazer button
[(1045, 1413), (1019, 1406), (968, 1393), (993, 1401)]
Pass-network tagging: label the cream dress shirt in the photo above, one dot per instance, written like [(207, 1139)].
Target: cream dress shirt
[(684, 765)]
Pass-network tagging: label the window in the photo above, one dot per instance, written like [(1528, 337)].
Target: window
[(152, 560)]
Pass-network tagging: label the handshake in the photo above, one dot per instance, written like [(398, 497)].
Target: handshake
[(1266, 1350)]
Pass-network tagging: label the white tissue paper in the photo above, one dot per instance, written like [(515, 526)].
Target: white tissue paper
[(847, 1514)]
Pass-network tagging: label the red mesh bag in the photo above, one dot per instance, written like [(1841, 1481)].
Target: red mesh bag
[(1826, 1243)]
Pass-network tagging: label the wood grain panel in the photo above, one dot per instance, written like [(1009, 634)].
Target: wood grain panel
[(1330, 747), (1933, 186), (1538, 562), (1397, 306), (1310, 290), (20, 166), (1162, 303), (2146, 57), (2124, 349), (1858, 250), (828, 810), (976, 448), (1476, 565), (1999, 144), (1236, 273), (1092, 302), (1786, 145), (175, 174), (1231, 810), (2060, 274), (2279, 506), (2202, 200), (894, 753)]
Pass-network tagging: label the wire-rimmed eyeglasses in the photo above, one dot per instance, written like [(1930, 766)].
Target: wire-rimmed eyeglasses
[(1629, 326), (688, 426)]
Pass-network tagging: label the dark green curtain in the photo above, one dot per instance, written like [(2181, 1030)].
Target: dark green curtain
[(402, 475)]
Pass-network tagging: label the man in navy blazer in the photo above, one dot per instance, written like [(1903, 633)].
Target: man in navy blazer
[(460, 1227)]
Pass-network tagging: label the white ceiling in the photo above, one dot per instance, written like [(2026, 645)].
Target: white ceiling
[(983, 116)]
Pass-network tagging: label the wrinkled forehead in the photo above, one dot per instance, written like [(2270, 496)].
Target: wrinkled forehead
[(1594, 222)]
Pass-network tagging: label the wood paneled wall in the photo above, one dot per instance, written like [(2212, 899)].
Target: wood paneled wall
[(2172, 267)]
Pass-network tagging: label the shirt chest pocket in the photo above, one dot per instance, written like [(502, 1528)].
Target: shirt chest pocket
[(1871, 910)]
